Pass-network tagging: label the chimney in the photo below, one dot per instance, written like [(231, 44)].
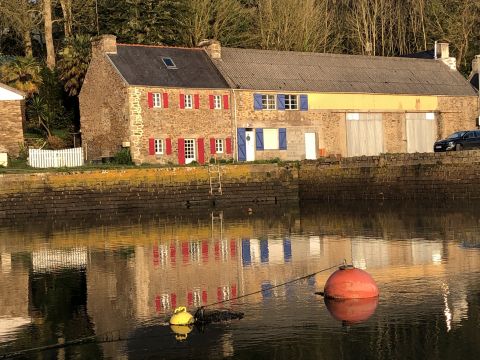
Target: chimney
[(442, 53), (104, 44), (212, 47)]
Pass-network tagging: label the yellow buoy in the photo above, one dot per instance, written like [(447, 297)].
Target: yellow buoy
[(181, 331), (181, 317)]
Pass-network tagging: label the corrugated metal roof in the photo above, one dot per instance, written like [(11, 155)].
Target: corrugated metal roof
[(143, 65), (297, 71)]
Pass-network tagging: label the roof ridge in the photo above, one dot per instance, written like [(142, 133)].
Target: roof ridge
[(161, 46), (375, 57)]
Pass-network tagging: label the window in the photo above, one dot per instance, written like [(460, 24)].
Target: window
[(268, 102), (159, 146), (291, 102), (169, 63), (270, 139), (218, 146), (157, 100), (217, 102), (188, 101)]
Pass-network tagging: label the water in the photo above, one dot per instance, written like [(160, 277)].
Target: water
[(120, 277)]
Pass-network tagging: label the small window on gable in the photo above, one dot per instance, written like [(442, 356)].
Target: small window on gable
[(169, 63)]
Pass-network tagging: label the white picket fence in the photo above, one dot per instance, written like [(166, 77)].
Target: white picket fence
[(55, 158)]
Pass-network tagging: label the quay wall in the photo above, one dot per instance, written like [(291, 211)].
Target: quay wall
[(148, 188), (431, 177), (419, 176)]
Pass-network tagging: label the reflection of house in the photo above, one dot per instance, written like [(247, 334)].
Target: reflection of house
[(14, 312), (12, 116), (56, 259)]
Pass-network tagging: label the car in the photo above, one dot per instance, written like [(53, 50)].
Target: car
[(460, 140)]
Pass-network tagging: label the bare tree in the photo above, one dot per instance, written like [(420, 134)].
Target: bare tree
[(67, 17)]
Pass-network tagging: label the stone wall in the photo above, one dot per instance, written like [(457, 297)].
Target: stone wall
[(174, 123), (453, 114), (12, 116), (435, 176), (161, 188), (103, 109)]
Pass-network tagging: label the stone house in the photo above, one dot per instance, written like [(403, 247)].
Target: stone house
[(168, 105), (294, 105), (12, 120), (177, 105)]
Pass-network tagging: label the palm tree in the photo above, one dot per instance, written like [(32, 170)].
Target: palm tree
[(37, 110), (23, 73), (73, 64)]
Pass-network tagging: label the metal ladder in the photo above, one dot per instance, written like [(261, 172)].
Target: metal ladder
[(217, 217), (215, 174)]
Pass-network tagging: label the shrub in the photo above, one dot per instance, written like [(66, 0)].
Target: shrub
[(123, 157)]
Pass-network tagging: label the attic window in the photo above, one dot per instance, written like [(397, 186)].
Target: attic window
[(169, 63)]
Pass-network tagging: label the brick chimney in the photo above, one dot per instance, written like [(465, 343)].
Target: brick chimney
[(104, 44), (442, 53), (212, 47)]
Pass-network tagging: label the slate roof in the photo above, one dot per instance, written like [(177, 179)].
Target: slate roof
[(315, 72), (143, 66)]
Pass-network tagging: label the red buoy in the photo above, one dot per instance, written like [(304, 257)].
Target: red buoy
[(349, 282), (352, 311)]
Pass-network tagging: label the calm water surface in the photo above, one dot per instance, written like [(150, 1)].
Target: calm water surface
[(120, 277)]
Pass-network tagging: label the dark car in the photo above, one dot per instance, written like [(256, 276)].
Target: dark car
[(460, 140)]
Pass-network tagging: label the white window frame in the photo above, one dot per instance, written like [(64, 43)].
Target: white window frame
[(217, 102), (219, 146), (291, 102), (188, 101), (269, 105), (157, 100), (159, 146)]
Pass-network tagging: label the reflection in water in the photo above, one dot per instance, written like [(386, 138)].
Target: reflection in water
[(352, 311), (63, 281)]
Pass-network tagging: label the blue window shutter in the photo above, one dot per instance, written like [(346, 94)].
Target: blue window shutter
[(246, 254), (257, 101), (242, 146), (264, 254), (281, 102), (282, 139), (259, 138), (287, 250), (303, 102)]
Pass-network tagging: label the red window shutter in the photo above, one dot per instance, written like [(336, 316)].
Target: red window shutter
[(150, 99), (228, 145), (168, 145), (212, 146), (201, 150), (182, 101), (225, 102), (165, 100), (151, 146), (210, 99), (196, 100), (181, 151)]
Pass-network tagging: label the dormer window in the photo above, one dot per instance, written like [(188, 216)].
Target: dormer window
[(169, 63)]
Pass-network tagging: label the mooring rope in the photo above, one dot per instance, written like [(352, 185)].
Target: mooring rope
[(109, 335)]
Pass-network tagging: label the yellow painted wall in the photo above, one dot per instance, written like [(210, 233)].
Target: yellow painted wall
[(369, 102)]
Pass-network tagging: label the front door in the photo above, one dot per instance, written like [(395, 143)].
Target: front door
[(189, 151), (310, 146), (250, 145)]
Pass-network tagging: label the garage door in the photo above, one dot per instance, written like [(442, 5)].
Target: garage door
[(421, 132), (364, 134)]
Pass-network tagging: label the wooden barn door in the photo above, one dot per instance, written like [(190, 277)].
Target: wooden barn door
[(364, 134)]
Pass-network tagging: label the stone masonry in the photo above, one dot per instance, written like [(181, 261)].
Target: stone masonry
[(12, 115)]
